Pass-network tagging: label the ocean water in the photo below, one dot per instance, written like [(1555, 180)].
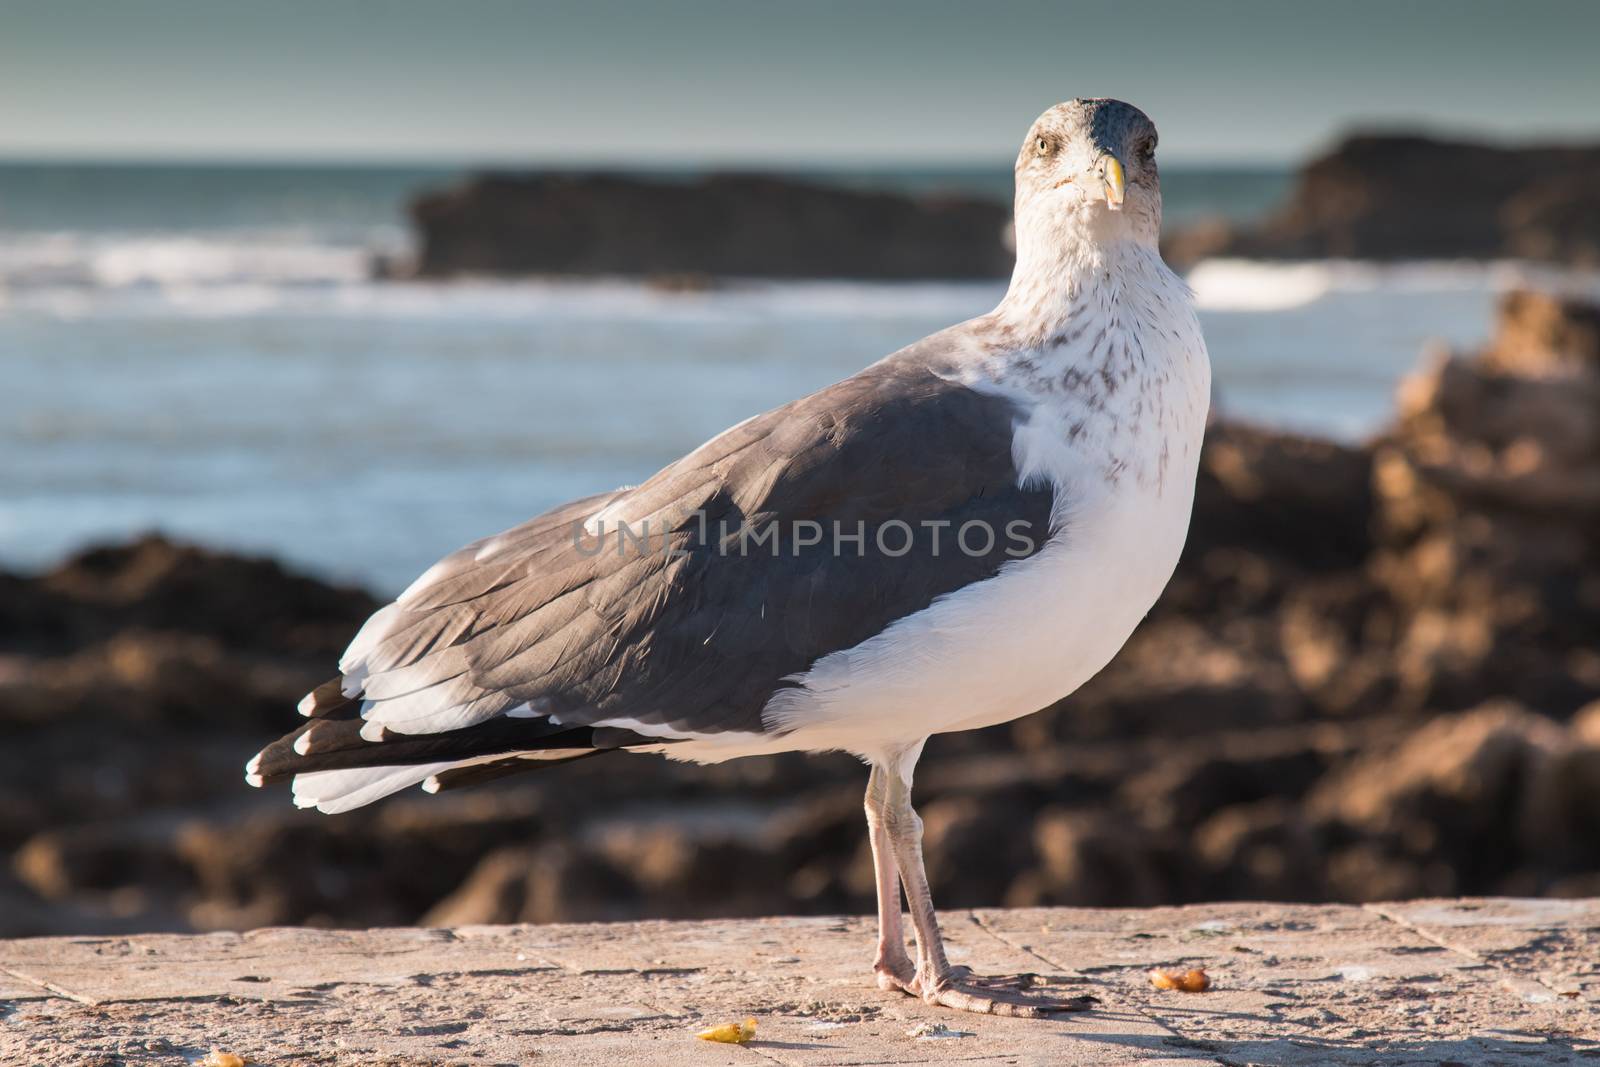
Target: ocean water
[(200, 351)]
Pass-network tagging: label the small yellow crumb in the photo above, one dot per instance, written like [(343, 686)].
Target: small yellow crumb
[(1195, 981), (730, 1033), (218, 1058)]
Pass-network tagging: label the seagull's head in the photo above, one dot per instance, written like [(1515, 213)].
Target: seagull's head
[(1089, 166)]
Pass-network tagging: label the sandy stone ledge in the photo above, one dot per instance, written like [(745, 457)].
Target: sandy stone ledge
[(1439, 982)]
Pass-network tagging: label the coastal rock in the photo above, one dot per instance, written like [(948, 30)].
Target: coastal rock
[(1404, 196), (1556, 220), (1495, 798), (719, 226), (1282, 496), (1489, 496), (157, 584), (556, 883), (1264, 850), (1478, 766), (1094, 858), (1544, 335)]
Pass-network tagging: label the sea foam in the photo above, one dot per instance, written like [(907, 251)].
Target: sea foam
[(1259, 285)]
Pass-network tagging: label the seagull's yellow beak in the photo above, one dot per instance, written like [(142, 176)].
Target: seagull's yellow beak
[(1116, 183)]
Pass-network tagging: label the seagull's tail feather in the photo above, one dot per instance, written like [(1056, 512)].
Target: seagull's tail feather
[(335, 768), (460, 775)]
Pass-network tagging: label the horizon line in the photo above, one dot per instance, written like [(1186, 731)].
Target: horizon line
[(739, 164), (759, 162)]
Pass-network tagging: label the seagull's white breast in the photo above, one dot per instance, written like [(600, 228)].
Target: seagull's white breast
[(1114, 423)]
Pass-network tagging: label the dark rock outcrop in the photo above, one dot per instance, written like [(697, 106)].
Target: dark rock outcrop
[(1392, 197), (722, 226)]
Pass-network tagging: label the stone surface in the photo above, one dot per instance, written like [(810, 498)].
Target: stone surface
[(1432, 982)]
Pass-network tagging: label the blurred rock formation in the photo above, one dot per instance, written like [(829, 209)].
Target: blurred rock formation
[(688, 233), (1405, 196)]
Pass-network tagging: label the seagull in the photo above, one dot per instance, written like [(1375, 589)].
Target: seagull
[(957, 536)]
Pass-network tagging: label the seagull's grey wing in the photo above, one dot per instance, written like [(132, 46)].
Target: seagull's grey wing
[(533, 640)]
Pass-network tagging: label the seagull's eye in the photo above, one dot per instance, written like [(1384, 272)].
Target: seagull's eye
[(1042, 144)]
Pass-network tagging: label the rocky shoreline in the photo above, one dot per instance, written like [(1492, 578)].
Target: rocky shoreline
[(1404, 196), (1374, 676)]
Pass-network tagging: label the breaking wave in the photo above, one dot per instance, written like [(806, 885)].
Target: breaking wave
[(250, 272), (115, 261), (1244, 285)]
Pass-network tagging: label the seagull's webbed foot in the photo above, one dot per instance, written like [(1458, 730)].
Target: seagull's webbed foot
[(895, 973), (893, 964), (1007, 994)]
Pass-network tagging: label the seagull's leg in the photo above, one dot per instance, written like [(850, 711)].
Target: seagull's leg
[(936, 981), (892, 966)]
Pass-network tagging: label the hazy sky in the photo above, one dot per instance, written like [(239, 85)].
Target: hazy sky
[(861, 82)]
